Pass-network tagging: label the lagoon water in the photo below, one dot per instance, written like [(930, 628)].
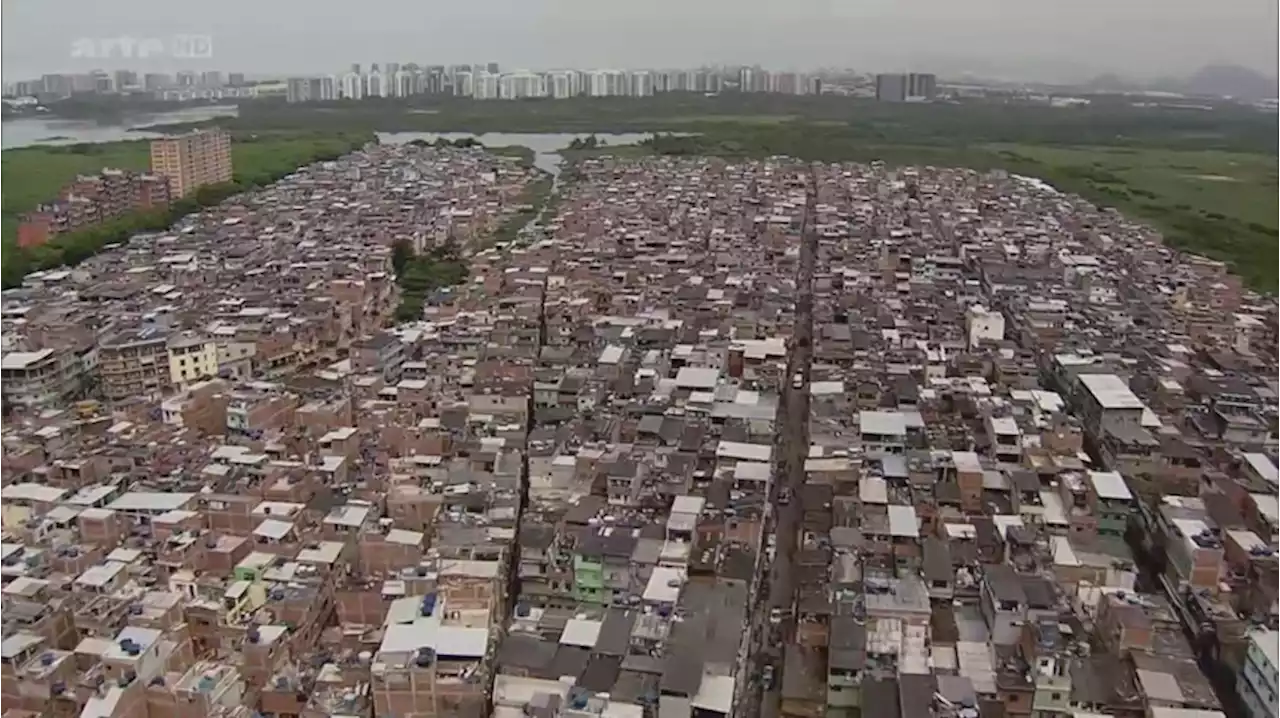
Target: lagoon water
[(35, 131), (545, 145)]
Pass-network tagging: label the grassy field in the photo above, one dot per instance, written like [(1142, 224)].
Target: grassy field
[(37, 173), (1222, 205), (1219, 204), (625, 151), (1238, 185), (1207, 179), (31, 175), (1107, 122), (525, 155), (704, 119)]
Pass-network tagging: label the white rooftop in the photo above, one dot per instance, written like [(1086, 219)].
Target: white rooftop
[(692, 377), (1111, 391), (17, 361), (1110, 485)]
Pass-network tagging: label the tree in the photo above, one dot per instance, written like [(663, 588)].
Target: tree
[(401, 255)]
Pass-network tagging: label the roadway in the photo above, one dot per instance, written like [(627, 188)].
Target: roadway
[(776, 583)]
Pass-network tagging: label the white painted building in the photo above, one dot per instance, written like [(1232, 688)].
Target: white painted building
[(982, 325)]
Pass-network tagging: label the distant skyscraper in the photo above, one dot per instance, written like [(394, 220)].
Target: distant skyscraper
[(125, 80), (187, 78), (463, 84), (85, 83), (328, 88), (922, 86), (437, 78), (236, 79), (378, 84), (153, 81), (352, 86), (891, 87), (485, 86), (298, 89), (403, 83), (639, 83), (102, 82)]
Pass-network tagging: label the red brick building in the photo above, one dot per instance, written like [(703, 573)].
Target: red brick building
[(91, 200)]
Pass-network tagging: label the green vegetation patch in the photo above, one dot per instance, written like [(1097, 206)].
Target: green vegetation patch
[(1215, 203), (1205, 178), (258, 159), (1222, 205), (712, 119), (533, 202), (1110, 122), (1237, 185), (421, 275), (32, 175)]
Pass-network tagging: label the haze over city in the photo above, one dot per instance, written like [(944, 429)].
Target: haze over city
[(706, 359), (1026, 40)]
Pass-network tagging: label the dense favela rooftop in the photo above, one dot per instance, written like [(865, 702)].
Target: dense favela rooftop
[(1020, 443)]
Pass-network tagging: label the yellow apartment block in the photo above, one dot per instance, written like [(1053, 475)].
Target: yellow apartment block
[(192, 160)]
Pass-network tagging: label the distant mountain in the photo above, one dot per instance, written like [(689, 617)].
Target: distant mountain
[(1232, 81), (1025, 69), (1212, 80)]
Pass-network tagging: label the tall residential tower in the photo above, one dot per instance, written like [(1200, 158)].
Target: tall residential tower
[(192, 160)]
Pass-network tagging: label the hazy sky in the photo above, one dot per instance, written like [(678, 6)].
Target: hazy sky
[(1022, 38)]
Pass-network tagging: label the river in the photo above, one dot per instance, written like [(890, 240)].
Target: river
[(546, 148), (34, 131), (545, 145), (31, 131)]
